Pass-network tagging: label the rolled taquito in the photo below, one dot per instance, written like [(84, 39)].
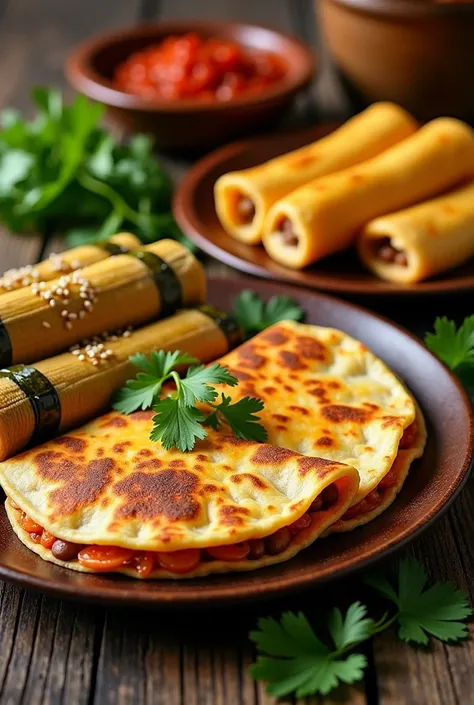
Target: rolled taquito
[(67, 262), (130, 289), (326, 215), (36, 402), (418, 242), (243, 198)]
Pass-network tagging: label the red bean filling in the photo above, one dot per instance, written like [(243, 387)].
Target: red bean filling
[(286, 232), (385, 251), (245, 209), (253, 549), (373, 499)]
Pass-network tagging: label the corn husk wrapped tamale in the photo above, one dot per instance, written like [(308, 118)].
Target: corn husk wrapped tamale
[(66, 390), (67, 262), (130, 289)]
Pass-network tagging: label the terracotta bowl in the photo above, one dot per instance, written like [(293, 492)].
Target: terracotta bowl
[(186, 124), (418, 53)]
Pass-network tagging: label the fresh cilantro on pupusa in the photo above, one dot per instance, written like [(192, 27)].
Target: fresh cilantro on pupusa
[(177, 421), (293, 659)]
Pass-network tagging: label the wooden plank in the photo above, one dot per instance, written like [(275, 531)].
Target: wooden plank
[(51, 654), (272, 12), (440, 675), (36, 38)]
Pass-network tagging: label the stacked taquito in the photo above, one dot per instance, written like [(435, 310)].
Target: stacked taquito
[(143, 284), (38, 401), (326, 215), (67, 262), (243, 198), (415, 243)]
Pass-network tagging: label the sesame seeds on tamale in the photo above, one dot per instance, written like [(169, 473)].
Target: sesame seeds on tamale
[(67, 262), (129, 289), (55, 394)]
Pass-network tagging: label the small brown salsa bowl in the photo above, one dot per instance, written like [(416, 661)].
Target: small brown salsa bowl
[(189, 124)]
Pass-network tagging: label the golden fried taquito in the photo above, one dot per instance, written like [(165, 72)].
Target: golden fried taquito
[(67, 262), (243, 198), (325, 216), (418, 242), (55, 394), (130, 289)]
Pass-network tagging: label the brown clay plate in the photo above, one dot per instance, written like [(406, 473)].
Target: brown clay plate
[(341, 273), (431, 486)]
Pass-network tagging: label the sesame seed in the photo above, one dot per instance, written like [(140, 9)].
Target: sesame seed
[(75, 352), (52, 303), (64, 313), (68, 325), (45, 324), (81, 358)]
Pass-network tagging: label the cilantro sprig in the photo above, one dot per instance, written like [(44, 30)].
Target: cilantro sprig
[(254, 314), (438, 611), (454, 346), (61, 172), (293, 659), (177, 421)]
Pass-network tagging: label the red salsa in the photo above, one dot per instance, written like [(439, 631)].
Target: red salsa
[(190, 67)]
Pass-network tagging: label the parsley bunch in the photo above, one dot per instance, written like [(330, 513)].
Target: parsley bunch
[(454, 346), (296, 660), (254, 314), (61, 171), (178, 422)]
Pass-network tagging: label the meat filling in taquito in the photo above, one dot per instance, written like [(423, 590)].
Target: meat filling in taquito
[(129, 289), (326, 394), (418, 242), (106, 498), (67, 262), (326, 215), (243, 198), (38, 401)]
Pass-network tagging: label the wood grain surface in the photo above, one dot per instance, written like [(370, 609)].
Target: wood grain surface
[(60, 653)]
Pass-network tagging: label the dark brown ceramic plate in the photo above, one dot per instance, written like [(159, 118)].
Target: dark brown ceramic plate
[(341, 273), (433, 482)]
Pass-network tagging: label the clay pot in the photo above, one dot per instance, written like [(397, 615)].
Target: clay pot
[(417, 53)]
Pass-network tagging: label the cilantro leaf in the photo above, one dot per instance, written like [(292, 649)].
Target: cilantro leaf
[(254, 314), (436, 610), (177, 425), (297, 661), (196, 387), (144, 390), (139, 393), (240, 416), (454, 346), (354, 628)]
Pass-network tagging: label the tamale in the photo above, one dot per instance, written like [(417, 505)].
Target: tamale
[(130, 289), (66, 390), (67, 262)]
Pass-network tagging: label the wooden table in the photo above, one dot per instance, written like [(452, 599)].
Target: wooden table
[(61, 653)]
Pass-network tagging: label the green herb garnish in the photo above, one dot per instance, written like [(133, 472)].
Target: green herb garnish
[(62, 172), (292, 659), (254, 314), (178, 422), (454, 346)]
